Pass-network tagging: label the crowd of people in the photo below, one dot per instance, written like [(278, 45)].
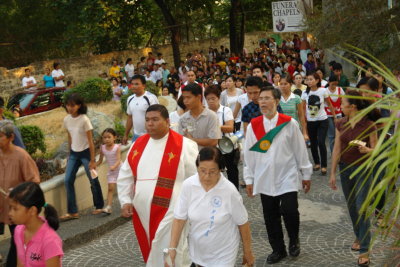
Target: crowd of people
[(279, 97)]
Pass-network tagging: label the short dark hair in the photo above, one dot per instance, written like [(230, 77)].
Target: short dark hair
[(213, 89), (56, 64), (160, 108), (331, 63), (373, 84), (332, 78), (76, 99), (254, 81), (275, 92), (210, 153), (139, 77), (27, 69), (309, 54), (180, 103), (194, 88), (363, 81), (337, 66), (257, 67)]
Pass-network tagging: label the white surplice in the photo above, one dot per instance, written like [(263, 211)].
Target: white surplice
[(147, 172), (277, 171)]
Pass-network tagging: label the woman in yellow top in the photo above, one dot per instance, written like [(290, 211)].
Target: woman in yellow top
[(114, 70)]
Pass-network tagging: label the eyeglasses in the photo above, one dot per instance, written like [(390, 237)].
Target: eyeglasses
[(203, 172)]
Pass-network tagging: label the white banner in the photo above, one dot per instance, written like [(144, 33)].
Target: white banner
[(286, 17)]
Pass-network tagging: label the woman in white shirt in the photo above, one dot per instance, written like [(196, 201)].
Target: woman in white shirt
[(229, 98), (216, 214), (129, 69), (315, 98)]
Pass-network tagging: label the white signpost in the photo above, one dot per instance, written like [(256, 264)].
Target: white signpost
[(286, 16)]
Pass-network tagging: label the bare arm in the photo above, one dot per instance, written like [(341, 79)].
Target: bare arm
[(92, 163), (53, 262), (227, 127), (302, 119), (176, 231), (335, 159), (100, 161), (245, 233), (118, 162), (331, 108), (128, 128), (238, 106)]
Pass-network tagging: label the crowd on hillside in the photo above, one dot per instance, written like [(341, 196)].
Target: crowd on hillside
[(278, 98)]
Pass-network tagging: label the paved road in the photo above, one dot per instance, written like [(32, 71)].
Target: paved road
[(325, 236)]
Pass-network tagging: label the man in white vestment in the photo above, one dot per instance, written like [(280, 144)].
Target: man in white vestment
[(275, 153), (150, 181)]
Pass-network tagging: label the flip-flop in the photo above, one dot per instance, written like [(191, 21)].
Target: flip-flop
[(364, 264), (69, 216)]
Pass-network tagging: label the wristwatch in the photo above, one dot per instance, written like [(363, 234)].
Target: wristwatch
[(166, 250)]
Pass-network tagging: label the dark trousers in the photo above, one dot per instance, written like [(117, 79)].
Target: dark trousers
[(12, 253), (285, 205), (317, 131), (231, 164), (236, 126)]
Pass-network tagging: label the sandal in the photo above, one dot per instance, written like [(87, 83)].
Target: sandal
[(97, 211), (355, 246), (363, 260), (316, 167), (69, 216), (323, 171)]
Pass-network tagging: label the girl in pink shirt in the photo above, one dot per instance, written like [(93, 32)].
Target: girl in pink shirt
[(112, 153), (35, 237)]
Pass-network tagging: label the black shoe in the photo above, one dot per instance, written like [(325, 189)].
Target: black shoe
[(294, 249), (276, 257)]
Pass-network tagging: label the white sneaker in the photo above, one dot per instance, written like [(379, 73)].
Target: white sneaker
[(107, 210)]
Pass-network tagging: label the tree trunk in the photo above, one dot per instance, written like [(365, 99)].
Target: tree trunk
[(174, 28), (236, 27)]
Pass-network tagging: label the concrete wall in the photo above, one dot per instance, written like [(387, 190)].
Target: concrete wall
[(78, 69), (55, 193)]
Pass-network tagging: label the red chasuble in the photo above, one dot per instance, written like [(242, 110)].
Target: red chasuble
[(164, 187), (258, 125)]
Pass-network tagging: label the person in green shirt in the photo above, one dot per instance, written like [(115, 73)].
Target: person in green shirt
[(291, 104), (338, 72)]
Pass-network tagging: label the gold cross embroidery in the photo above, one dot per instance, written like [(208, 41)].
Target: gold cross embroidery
[(134, 154), (170, 157)]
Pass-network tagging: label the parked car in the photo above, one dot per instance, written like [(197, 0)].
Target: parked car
[(34, 101)]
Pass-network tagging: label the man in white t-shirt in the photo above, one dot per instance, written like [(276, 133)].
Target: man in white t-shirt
[(156, 74), (159, 59), (58, 75), (28, 82), (137, 105)]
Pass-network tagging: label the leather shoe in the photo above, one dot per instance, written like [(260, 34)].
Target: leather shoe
[(294, 249), (276, 257)]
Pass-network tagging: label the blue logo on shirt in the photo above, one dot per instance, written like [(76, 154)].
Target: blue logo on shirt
[(216, 201)]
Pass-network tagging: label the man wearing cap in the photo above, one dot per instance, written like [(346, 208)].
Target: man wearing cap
[(274, 154)]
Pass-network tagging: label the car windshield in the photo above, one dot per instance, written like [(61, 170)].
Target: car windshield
[(22, 99)]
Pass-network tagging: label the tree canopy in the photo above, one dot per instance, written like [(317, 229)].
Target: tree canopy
[(44, 29)]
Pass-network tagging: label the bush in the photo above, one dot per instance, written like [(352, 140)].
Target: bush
[(93, 90), (9, 115), (124, 99), (119, 129), (33, 138)]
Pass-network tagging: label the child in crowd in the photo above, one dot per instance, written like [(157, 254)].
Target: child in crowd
[(35, 238), (112, 153), (80, 139)]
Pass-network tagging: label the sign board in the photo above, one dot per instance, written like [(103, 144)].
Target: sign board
[(286, 16)]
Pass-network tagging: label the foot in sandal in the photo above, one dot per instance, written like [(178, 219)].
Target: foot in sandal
[(69, 216)]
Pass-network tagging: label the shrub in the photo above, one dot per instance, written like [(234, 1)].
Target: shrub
[(9, 115), (124, 98), (33, 138), (119, 129), (93, 90)]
